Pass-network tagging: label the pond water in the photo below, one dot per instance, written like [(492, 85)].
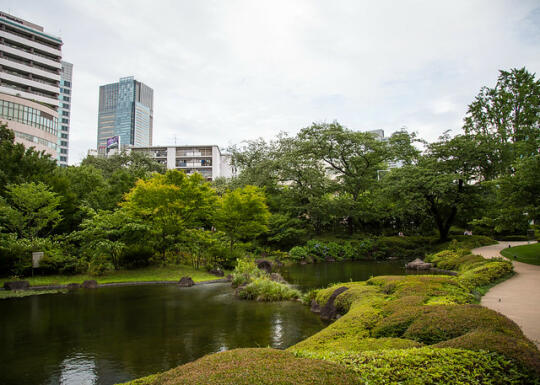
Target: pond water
[(115, 334), (314, 276)]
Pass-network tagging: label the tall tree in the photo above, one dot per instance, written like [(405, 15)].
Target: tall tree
[(505, 121), (19, 164), (243, 214), (30, 210)]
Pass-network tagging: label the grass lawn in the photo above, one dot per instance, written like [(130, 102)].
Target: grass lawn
[(526, 253), (168, 273), (4, 294)]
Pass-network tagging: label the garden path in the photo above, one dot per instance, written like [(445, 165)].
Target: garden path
[(518, 298)]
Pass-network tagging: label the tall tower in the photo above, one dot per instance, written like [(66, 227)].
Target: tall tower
[(64, 112), (30, 83), (126, 110)]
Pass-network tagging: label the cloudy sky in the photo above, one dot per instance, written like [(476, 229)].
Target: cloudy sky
[(228, 71)]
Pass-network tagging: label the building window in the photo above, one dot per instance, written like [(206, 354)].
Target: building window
[(67, 84), (64, 91), (65, 113), (29, 116), (63, 143), (65, 128), (63, 151), (64, 120), (63, 159), (66, 98), (64, 105), (64, 136)]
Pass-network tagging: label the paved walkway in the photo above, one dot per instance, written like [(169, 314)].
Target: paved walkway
[(518, 298)]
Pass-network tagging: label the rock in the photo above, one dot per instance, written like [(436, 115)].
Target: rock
[(276, 277), (315, 307), (239, 289), (328, 311), (73, 286), (303, 262), (90, 284), (16, 285), (229, 277), (418, 264), (186, 282), (330, 259), (217, 272), (265, 265)]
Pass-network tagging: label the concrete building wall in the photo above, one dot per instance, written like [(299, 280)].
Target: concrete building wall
[(207, 160)]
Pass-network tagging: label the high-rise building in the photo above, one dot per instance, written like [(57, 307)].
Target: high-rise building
[(126, 110), (64, 112), (30, 82)]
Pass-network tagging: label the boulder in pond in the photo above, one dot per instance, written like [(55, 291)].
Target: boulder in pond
[(186, 282), (73, 286), (328, 311), (265, 265), (418, 264), (16, 285), (90, 284)]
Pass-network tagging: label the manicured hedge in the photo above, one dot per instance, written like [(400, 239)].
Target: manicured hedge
[(428, 366), (254, 366)]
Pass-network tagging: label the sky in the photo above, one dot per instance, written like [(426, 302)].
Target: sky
[(228, 71)]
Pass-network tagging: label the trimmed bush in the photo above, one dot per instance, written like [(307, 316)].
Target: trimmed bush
[(485, 274), (254, 366), (429, 366)]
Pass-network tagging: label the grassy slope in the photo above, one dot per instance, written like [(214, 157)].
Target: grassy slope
[(169, 273), (4, 294), (526, 253)]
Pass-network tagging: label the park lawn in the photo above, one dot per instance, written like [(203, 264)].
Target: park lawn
[(525, 253), (153, 273)]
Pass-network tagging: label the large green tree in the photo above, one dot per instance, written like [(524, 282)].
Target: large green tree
[(504, 122), (243, 214), (170, 203), (29, 210)]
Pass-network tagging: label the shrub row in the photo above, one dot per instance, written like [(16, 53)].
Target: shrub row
[(377, 248)]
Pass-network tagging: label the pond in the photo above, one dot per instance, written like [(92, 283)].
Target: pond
[(314, 276), (115, 334)]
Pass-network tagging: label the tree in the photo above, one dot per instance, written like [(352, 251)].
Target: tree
[(29, 210), (170, 203), (442, 184), (243, 214), (505, 121), (20, 165)]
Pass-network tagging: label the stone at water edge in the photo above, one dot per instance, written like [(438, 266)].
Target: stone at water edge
[(16, 285), (73, 286), (186, 282), (418, 264), (276, 277), (315, 307), (264, 265), (90, 284), (217, 272), (328, 311)]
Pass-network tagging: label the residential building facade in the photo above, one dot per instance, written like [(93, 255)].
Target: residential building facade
[(64, 112), (30, 67), (206, 160), (126, 110)]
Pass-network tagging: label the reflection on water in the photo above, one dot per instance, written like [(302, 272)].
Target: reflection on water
[(79, 369), (112, 335)]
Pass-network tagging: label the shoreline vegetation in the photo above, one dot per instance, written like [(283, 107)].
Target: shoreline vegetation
[(392, 329)]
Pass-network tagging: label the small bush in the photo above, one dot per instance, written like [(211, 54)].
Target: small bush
[(264, 289), (298, 253), (245, 272), (100, 265), (485, 274)]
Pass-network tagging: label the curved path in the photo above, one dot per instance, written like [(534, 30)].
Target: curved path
[(518, 298)]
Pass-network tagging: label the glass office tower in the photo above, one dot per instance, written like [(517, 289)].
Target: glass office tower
[(126, 111)]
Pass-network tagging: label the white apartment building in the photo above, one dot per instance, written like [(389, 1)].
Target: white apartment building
[(30, 66), (206, 160)]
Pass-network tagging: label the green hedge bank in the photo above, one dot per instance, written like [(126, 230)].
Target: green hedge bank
[(394, 329)]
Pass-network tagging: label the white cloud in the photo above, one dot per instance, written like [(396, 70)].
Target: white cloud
[(223, 72)]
